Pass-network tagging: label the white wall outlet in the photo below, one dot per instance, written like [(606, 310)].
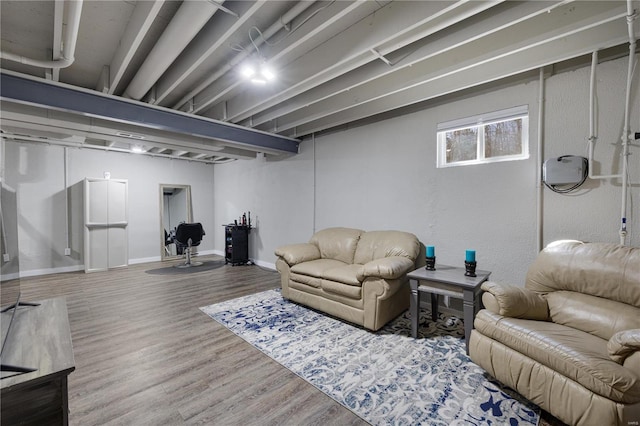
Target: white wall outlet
[(67, 252), (5, 257)]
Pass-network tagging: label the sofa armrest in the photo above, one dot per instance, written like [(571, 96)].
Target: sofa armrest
[(298, 253), (387, 268), (624, 344), (515, 302)]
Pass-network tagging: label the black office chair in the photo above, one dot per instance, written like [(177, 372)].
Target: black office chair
[(188, 235)]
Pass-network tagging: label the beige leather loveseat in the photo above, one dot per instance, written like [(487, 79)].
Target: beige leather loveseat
[(352, 274), (569, 340)]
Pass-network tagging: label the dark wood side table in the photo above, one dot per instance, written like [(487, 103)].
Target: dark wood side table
[(39, 338), (448, 281)]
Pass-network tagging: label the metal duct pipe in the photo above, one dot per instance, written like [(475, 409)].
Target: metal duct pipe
[(187, 22), (296, 10), (68, 45)]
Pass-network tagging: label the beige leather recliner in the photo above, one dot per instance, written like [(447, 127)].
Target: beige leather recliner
[(569, 341), (351, 274)]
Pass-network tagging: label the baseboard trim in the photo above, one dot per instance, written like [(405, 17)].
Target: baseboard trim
[(9, 277), (267, 265), (208, 252), (49, 271), (76, 268), (144, 260)]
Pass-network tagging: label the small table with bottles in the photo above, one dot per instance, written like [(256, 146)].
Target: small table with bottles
[(236, 244), (447, 281)]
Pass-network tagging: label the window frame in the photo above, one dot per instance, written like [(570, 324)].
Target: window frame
[(479, 122)]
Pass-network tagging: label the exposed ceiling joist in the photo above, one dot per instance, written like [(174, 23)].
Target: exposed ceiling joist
[(307, 37), (337, 62), (477, 52), (390, 28), (210, 40), (499, 17), (474, 74), (138, 26)]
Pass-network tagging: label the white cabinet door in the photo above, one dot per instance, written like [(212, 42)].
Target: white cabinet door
[(106, 220)]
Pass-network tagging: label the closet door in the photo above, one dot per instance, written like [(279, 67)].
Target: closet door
[(117, 217), (105, 233)]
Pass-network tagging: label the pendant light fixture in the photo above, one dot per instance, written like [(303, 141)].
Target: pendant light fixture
[(257, 72)]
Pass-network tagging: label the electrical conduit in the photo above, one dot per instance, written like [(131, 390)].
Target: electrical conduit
[(540, 153), (626, 131)]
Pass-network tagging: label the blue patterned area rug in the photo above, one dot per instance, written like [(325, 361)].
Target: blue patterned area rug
[(384, 377)]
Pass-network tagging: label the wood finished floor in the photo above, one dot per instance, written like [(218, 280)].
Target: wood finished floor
[(146, 355)]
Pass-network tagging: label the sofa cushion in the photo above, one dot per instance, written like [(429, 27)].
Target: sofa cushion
[(594, 315), (316, 268), (337, 243), (347, 274), (305, 279), (346, 290), (580, 356), (311, 273), (379, 244)]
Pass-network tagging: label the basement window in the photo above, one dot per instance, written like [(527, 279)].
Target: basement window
[(487, 138)]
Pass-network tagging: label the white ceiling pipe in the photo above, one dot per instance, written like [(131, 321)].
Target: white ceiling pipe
[(593, 137), (626, 135), (296, 10), (58, 31), (68, 46), (187, 22)]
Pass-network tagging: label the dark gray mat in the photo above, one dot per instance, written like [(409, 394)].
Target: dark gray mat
[(172, 270)]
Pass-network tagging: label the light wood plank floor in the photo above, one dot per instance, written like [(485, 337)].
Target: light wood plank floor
[(146, 355)]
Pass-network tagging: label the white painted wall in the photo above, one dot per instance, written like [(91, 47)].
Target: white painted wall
[(279, 195), (384, 176), (37, 173), (593, 214), (377, 176)]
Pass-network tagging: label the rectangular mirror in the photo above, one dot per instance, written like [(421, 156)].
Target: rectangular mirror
[(175, 207)]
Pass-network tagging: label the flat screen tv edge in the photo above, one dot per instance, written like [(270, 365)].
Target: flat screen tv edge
[(6, 339)]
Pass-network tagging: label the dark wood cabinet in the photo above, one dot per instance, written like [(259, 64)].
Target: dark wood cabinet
[(236, 244)]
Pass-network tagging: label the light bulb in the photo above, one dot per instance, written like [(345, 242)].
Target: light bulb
[(247, 70), (257, 72), (267, 73)]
